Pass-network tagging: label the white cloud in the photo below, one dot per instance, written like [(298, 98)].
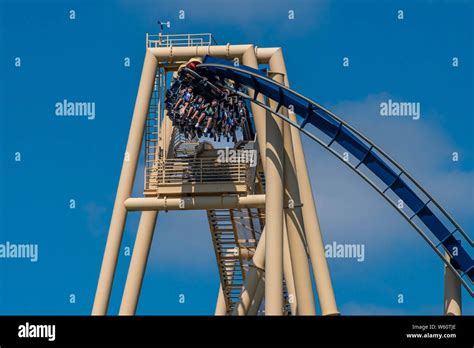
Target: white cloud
[(96, 216), (422, 147), (347, 203)]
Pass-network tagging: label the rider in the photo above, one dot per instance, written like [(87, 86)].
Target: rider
[(209, 113), (196, 104), (186, 97), (242, 113)]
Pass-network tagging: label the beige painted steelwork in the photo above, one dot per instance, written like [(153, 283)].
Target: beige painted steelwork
[(312, 230), (277, 247), (452, 292), (288, 272), (173, 176), (195, 203), (303, 295), (314, 240), (136, 271), (257, 298), (125, 186), (274, 174), (221, 307)]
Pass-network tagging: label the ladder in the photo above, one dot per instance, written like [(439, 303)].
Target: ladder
[(227, 250)]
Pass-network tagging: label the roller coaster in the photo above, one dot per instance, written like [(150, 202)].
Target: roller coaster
[(262, 216)]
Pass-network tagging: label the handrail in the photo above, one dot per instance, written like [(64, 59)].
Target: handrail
[(199, 170), (181, 40)]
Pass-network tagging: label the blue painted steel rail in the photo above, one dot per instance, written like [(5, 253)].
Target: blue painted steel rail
[(378, 169)]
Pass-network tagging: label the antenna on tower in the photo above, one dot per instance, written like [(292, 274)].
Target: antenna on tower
[(162, 26)]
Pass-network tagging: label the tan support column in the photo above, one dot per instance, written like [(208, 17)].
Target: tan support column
[(253, 278), (452, 292), (311, 222), (288, 268), (259, 114), (221, 307), (295, 227), (137, 268), (312, 231), (276, 241), (294, 224), (274, 177), (258, 297), (125, 186)]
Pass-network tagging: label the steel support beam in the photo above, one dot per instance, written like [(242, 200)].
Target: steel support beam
[(259, 114), (258, 297), (195, 203), (125, 186), (452, 292), (137, 267), (221, 307), (294, 219), (274, 192), (288, 271), (312, 229)]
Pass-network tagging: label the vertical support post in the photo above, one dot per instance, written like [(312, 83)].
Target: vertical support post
[(163, 114), (274, 217), (452, 291), (313, 235), (259, 114), (221, 308), (255, 273), (296, 241), (312, 229), (258, 297), (160, 103), (136, 271), (125, 186), (295, 225), (288, 272)]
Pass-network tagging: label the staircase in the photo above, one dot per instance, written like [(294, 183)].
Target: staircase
[(229, 261)]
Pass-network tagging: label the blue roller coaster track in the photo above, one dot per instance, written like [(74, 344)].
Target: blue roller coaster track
[(442, 233)]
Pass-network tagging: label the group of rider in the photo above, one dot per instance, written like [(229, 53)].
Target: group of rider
[(196, 112)]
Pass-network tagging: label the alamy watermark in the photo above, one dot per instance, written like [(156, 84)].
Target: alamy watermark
[(67, 108), (403, 109), (19, 251), (345, 251), (228, 155), (28, 330)]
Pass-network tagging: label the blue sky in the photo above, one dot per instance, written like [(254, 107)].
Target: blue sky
[(80, 159)]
